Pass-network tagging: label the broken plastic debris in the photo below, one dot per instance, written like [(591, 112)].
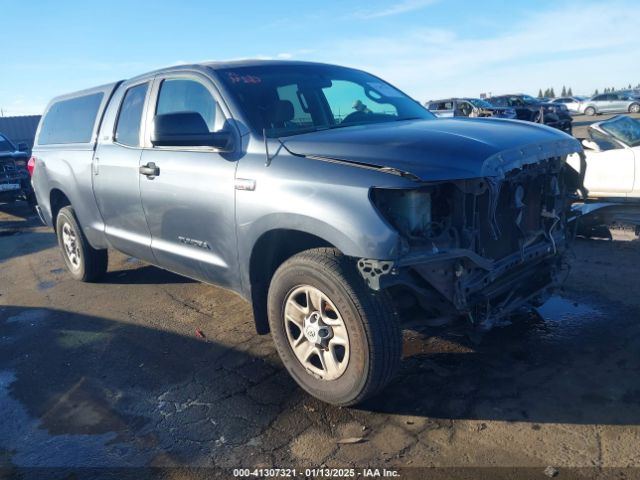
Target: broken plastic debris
[(551, 471), (200, 333), (351, 440)]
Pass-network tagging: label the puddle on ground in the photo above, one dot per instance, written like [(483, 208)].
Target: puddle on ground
[(563, 317), (23, 436), (31, 316), (46, 284), (81, 338), (559, 317), (558, 309)]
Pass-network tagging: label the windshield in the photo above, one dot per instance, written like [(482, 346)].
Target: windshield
[(625, 129), (6, 145), (287, 100), (479, 103)]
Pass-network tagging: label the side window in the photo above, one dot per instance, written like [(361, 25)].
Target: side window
[(465, 108), (603, 141), (181, 95), (301, 114), (130, 116), (70, 121), (346, 98)]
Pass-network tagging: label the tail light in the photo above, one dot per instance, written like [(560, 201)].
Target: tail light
[(31, 165)]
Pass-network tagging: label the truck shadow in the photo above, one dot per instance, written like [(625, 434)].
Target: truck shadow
[(76, 386), (83, 390)]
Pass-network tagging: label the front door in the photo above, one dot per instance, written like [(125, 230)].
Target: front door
[(189, 201), (116, 180), (611, 170)]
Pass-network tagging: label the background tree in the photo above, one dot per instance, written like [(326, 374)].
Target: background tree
[(564, 91), (540, 93), (569, 92), (596, 92), (552, 94)]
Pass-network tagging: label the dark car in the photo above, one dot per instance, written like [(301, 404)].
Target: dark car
[(468, 107), (532, 109), (14, 177)]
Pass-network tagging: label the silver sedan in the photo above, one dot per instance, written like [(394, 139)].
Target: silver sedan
[(610, 103)]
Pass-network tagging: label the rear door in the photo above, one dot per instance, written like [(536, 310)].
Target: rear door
[(190, 204), (620, 102), (116, 181)]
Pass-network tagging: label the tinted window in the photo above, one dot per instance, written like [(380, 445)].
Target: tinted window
[(498, 101), (301, 115), (5, 145), (130, 116), (189, 96), (70, 121), (292, 99), (443, 105)]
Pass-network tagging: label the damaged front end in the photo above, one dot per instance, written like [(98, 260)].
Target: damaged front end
[(479, 247)]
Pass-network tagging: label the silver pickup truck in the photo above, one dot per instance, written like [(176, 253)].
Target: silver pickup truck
[(326, 197)]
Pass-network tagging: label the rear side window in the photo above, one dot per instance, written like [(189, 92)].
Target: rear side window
[(70, 121), (130, 116)]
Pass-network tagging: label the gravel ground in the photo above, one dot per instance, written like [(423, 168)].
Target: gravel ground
[(114, 375)]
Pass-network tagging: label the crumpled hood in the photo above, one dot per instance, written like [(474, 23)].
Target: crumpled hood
[(440, 149)]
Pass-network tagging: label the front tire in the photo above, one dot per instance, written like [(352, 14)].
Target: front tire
[(634, 108), (590, 111), (84, 262), (339, 340)]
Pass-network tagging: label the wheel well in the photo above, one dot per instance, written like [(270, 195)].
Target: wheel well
[(57, 200), (270, 251)]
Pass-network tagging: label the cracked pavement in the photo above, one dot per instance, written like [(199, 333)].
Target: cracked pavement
[(114, 374)]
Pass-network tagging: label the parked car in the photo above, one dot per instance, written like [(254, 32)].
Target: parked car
[(531, 109), (14, 178), (572, 103), (610, 103), (468, 107), (250, 175), (612, 151)]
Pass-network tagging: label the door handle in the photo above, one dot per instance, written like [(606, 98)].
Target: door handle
[(150, 170)]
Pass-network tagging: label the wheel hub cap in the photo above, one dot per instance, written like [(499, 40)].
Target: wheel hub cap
[(70, 244), (316, 332)]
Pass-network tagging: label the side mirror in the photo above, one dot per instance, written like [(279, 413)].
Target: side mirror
[(187, 129), (23, 147), (590, 144)]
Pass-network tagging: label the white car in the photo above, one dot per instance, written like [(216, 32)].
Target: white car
[(613, 158), (572, 103)]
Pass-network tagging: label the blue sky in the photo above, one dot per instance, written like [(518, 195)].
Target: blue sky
[(428, 48)]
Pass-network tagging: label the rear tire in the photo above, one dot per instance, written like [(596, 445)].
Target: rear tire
[(590, 111), (634, 108), (328, 286), (84, 262)]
